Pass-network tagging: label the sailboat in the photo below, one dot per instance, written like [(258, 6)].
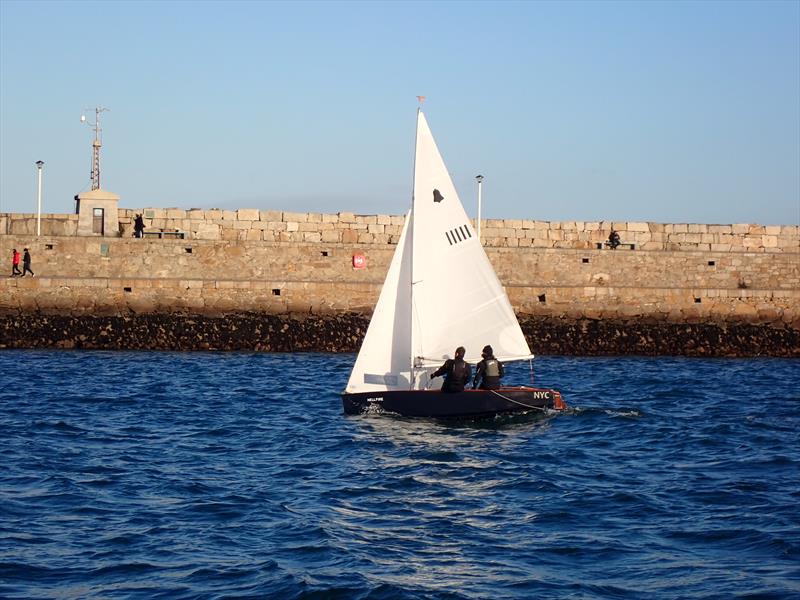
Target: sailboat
[(440, 292)]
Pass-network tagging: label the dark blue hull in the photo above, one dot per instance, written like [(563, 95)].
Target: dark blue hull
[(469, 403)]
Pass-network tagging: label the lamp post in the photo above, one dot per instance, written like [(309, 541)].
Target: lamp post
[(39, 165), (479, 179)]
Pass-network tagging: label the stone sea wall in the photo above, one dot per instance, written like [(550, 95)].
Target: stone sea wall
[(348, 228), (711, 290)]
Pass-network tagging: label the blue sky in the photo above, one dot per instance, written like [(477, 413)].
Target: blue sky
[(670, 112)]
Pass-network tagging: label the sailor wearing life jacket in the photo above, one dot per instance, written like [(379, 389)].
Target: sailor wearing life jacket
[(489, 371), (456, 372)]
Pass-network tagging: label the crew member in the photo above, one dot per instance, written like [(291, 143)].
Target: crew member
[(489, 371), (456, 372)]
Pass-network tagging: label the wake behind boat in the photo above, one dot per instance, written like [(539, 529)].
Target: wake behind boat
[(440, 292)]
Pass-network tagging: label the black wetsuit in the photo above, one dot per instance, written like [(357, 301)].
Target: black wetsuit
[(456, 374), (488, 373)]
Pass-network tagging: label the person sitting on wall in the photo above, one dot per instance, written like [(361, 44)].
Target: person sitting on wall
[(489, 371), (613, 239), (456, 372), (138, 226)]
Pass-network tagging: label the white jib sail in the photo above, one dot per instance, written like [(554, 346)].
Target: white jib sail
[(455, 298), (384, 361)]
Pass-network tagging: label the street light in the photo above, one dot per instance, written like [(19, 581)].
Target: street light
[(479, 179), (39, 165)]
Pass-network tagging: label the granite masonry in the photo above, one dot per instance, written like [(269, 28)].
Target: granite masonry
[(271, 280)]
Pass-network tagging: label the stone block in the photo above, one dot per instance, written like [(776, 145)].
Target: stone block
[(790, 230), (271, 215), (295, 217), (639, 227), (331, 236), (349, 236), (175, 213), (196, 214), (229, 215), (314, 217), (347, 217), (726, 229), (292, 226), (248, 214)]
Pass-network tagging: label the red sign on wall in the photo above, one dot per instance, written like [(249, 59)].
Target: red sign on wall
[(359, 261)]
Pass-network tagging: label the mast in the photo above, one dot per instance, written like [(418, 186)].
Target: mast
[(412, 358)]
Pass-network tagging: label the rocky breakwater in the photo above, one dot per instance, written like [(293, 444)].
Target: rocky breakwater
[(344, 332), (651, 337), (175, 331)]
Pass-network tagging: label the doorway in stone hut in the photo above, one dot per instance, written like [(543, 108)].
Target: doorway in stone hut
[(97, 221)]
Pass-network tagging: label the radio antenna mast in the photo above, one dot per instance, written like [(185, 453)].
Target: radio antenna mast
[(98, 141)]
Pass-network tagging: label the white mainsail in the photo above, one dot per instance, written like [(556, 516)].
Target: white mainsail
[(440, 292)]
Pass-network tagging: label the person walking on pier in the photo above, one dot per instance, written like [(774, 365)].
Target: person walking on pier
[(15, 263), (26, 263)]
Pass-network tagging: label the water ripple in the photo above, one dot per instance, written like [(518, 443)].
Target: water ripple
[(208, 475)]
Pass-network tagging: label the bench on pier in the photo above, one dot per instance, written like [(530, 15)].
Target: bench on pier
[(164, 233), (606, 244)]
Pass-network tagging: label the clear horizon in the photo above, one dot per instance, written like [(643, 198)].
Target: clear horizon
[(579, 111)]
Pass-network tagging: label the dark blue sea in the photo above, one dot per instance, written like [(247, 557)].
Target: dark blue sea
[(212, 475)]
